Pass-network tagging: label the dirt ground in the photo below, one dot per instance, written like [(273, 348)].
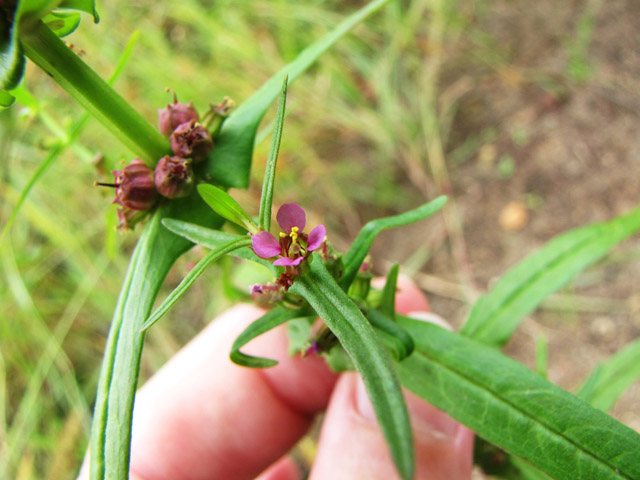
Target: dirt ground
[(554, 152)]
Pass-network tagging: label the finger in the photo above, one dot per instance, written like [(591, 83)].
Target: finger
[(409, 298), (203, 417), (283, 469), (352, 446)]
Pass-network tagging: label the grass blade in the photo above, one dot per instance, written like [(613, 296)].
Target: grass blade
[(496, 315), (230, 161), (191, 277), (358, 338), (266, 198), (515, 408), (361, 245)]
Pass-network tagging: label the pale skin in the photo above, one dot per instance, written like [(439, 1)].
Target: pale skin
[(203, 417)]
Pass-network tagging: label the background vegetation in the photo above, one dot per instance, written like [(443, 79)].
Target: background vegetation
[(527, 115)]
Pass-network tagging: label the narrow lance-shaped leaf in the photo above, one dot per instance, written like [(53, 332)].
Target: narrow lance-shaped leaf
[(361, 245), (156, 251), (396, 336), (515, 408), (388, 301), (270, 320), (210, 238), (62, 23), (609, 380), (224, 205), (266, 198), (346, 321), (230, 161), (496, 315), (191, 277)]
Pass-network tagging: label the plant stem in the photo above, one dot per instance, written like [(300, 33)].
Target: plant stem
[(50, 53)]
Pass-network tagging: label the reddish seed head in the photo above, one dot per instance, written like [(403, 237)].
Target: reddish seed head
[(174, 115), (191, 140), (174, 177), (134, 186)]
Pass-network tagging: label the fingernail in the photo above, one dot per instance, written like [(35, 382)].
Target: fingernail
[(425, 418), (431, 318)]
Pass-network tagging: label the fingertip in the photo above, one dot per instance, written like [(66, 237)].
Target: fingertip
[(284, 469), (352, 446)]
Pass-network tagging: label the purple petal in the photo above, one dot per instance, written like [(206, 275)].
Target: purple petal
[(316, 237), (265, 245), (256, 289), (291, 215), (288, 262)]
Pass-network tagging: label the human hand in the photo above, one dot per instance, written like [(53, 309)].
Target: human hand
[(203, 417)]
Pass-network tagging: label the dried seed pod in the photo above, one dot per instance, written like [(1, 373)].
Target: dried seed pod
[(134, 186), (191, 140), (174, 177), (175, 114)]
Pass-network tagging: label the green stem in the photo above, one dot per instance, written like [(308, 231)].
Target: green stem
[(156, 251), (47, 51)]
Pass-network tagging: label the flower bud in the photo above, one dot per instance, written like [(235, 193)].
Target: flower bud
[(134, 186), (174, 115), (191, 140), (174, 177)]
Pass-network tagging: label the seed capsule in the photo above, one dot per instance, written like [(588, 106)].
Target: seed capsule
[(191, 140), (175, 114), (174, 177)]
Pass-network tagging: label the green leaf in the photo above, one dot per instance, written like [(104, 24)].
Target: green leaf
[(11, 58), (191, 277), (516, 409), (361, 245), (230, 161), (346, 321), (496, 315), (268, 321), (299, 331), (156, 251), (32, 10), (388, 300), (398, 339), (224, 205), (6, 99), (210, 238), (62, 24), (88, 6), (266, 198), (609, 380)]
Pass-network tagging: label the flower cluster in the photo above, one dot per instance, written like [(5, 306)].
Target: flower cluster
[(292, 245), (138, 186)]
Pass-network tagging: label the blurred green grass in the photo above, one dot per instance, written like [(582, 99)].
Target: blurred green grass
[(368, 132)]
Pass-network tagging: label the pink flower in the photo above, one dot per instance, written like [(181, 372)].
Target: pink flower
[(293, 245)]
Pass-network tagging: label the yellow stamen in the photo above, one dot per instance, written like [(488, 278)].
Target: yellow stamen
[(282, 234)]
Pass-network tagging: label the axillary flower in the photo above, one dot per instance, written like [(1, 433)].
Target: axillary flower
[(293, 245)]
